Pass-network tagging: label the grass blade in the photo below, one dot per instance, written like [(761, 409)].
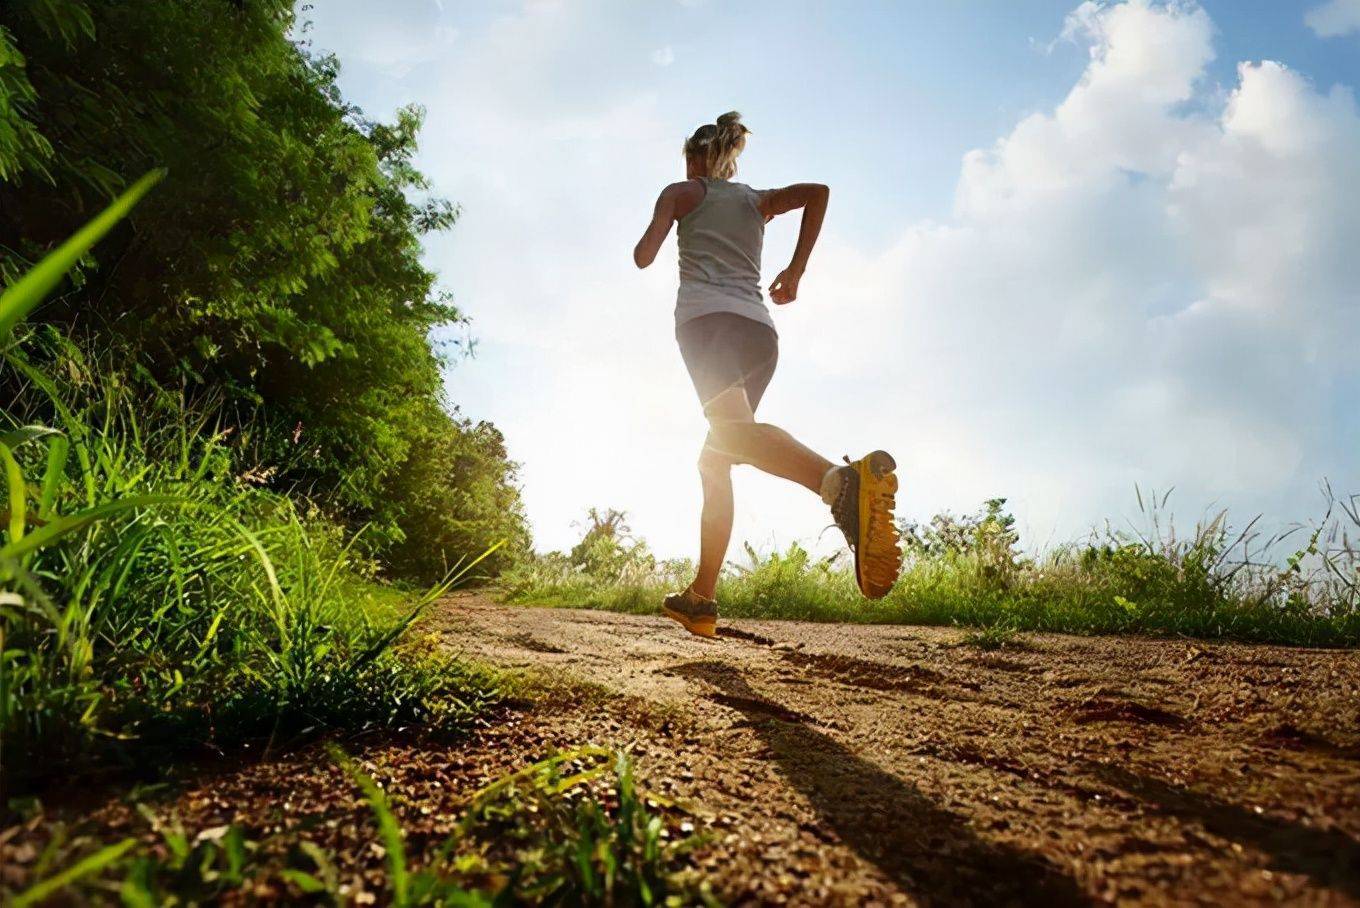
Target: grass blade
[(39, 892), (388, 828), (17, 301), (430, 596), (54, 530), (18, 496), (15, 437), (52, 476)]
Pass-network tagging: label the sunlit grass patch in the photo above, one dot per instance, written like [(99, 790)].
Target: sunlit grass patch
[(1301, 587), (991, 637)]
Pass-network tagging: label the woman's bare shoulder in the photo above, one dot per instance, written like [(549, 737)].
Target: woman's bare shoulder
[(685, 195)]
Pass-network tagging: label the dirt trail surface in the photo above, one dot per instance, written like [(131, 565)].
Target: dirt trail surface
[(851, 765), (890, 764)]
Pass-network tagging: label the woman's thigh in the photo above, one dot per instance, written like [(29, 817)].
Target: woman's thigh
[(725, 351)]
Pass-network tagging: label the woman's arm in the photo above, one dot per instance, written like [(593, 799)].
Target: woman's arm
[(644, 253), (812, 198)]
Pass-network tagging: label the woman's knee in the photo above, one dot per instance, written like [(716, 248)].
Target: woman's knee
[(729, 420), (738, 437)]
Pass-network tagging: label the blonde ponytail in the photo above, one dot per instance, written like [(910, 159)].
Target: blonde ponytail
[(718, 144)]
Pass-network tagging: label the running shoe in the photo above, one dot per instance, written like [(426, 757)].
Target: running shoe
[(863, 510), (696, 614)]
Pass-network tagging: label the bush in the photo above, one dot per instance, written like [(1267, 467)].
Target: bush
[(457, 499)]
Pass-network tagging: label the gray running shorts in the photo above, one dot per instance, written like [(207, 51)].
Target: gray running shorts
[(725, 350)]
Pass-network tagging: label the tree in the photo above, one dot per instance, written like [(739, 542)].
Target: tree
[(276, 272)]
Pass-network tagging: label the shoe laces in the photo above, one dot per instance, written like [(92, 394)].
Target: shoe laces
[(840, 509)]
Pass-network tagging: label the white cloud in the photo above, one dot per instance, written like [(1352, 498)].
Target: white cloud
[(1334, 18), (663, 56), (1152, 282), (1127, 292)]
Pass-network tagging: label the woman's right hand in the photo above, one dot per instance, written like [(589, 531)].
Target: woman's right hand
[(785, 287)]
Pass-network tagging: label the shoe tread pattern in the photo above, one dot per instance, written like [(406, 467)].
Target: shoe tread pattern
[(878, 555)]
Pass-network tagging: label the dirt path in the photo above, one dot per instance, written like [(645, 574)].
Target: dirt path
[(846, 764), (851, 765)]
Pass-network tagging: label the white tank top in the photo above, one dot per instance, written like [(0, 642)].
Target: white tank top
[(720, 243)]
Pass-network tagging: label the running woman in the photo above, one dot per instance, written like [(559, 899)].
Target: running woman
[(728, 341)]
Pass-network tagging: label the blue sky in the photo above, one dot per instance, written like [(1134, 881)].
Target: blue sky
[(1070, 248)]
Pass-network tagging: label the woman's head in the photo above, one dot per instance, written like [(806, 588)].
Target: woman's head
[(712, 150)]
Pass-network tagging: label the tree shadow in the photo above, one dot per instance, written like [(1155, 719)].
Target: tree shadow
[(1330, 858), (927, 850)]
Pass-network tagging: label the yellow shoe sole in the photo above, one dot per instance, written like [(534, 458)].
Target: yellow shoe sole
[(878, 557), (699, 627)]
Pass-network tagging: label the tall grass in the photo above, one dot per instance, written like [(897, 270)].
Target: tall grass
[(1299, 587), (199, 609)]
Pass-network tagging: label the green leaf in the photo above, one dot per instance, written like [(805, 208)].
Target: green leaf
[(17, 301), (51, 532), (324, 866), (16, 437), (18, 497), (39, 892), (53, 475), (303, 880)]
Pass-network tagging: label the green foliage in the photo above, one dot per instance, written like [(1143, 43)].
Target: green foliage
[(191, 871), (550, 834), (574, 829), (563, 838), (607, 569), (168, 865), (89, 865), (275, 274), (990, 637), (197, 608), (986, 540), (790, 584), (968, 571), (608, 549), (458, 496), (22, 146)]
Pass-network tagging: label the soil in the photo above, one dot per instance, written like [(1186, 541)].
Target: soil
[(841, 764)]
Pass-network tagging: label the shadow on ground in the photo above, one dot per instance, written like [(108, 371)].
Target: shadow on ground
[(924, 848), (1330, 857)]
